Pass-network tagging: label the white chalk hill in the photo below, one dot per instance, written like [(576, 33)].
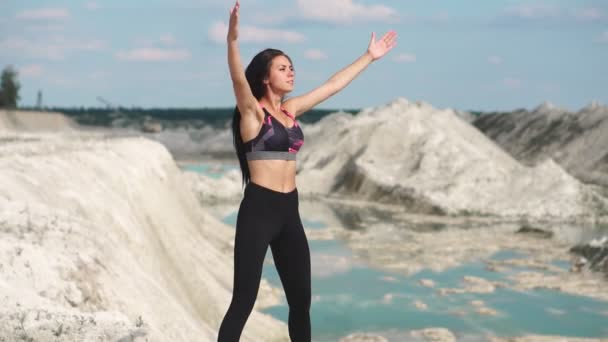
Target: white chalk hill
[(101, 239), (20, 120), (432, 160), (578, 141)]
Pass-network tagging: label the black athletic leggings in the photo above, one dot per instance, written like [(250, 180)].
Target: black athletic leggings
[(268, 217)]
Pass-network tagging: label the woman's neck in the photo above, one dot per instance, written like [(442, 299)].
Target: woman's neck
[(271, 102)]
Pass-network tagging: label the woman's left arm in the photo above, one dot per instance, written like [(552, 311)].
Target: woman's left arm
[(342, 78)]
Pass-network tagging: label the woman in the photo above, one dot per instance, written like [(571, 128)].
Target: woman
[(267, 138)]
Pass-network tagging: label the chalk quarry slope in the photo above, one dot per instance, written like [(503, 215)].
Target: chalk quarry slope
[(20, 120), (431, 160), (101, 239), (578, 141)]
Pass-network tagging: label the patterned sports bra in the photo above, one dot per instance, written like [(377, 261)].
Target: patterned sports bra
[(275, 141)]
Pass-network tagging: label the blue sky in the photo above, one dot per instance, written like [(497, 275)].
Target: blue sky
[(468, 55)]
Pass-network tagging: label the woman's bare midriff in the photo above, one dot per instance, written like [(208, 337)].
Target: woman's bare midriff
[(277, 175)]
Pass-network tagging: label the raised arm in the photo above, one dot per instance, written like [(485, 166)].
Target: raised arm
[(245, 100), (342, 78)]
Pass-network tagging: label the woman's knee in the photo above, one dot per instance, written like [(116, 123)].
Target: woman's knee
[(301, 300), (244, 300)]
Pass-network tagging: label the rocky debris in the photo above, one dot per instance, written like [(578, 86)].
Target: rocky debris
[(540, 338), (473, 285), (533, 231), (434, 335), (150, 125), (56, 324), (594, 255), (363, 337)]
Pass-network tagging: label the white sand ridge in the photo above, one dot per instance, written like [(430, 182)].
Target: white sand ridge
[(576, 140), (431, 160), (103, 238)]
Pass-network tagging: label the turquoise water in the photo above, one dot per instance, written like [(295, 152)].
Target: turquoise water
[(352, 297), (230, 219), (215, 171), (366, 299)]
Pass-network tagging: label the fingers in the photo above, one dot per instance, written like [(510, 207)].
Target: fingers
[(388, 40), (389, 37), (235, 8)]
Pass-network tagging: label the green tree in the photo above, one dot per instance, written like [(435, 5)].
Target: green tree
[(9, 88)]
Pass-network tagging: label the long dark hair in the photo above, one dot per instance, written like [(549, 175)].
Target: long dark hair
[(257, 70)]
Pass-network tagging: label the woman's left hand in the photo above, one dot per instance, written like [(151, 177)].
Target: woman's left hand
[(379, 48)]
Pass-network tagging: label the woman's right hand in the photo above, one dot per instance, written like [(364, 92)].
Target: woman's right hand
[(233, 25)]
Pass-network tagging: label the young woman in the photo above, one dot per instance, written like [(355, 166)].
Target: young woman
[(267, 139)]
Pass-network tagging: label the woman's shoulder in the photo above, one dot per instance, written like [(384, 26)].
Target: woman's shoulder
[(289, 107)]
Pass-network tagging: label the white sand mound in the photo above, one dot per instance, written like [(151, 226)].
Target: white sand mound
[(577, 141), (18, 120), (209, 190), (107, 231), (431, 160)]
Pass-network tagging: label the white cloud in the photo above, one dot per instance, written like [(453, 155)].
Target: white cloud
[(154, 55), (54, 48), (272, 18), (344, 11), (44, 13), (603, 38), (589, 14), (32, 70), (404, 58), (512, 82), (315, 54), (496, 60), (45, 28), (533, 11), (167, 39), (219, 30), (92, 5), (551, 12)]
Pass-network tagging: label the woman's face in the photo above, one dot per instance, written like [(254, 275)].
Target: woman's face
[(281, 75)]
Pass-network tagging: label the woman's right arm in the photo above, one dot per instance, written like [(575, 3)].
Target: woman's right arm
[(245, 100)]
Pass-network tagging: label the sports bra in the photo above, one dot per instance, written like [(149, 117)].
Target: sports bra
[(275, 141)]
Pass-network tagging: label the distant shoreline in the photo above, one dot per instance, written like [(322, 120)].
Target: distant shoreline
[(217, 117)]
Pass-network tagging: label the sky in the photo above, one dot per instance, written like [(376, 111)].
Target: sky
[(467, 55)]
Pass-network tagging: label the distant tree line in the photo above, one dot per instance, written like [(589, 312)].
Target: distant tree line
[(9, 88), (216, 117)]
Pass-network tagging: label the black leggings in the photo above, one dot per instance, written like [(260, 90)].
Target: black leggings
[(269, 217)]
